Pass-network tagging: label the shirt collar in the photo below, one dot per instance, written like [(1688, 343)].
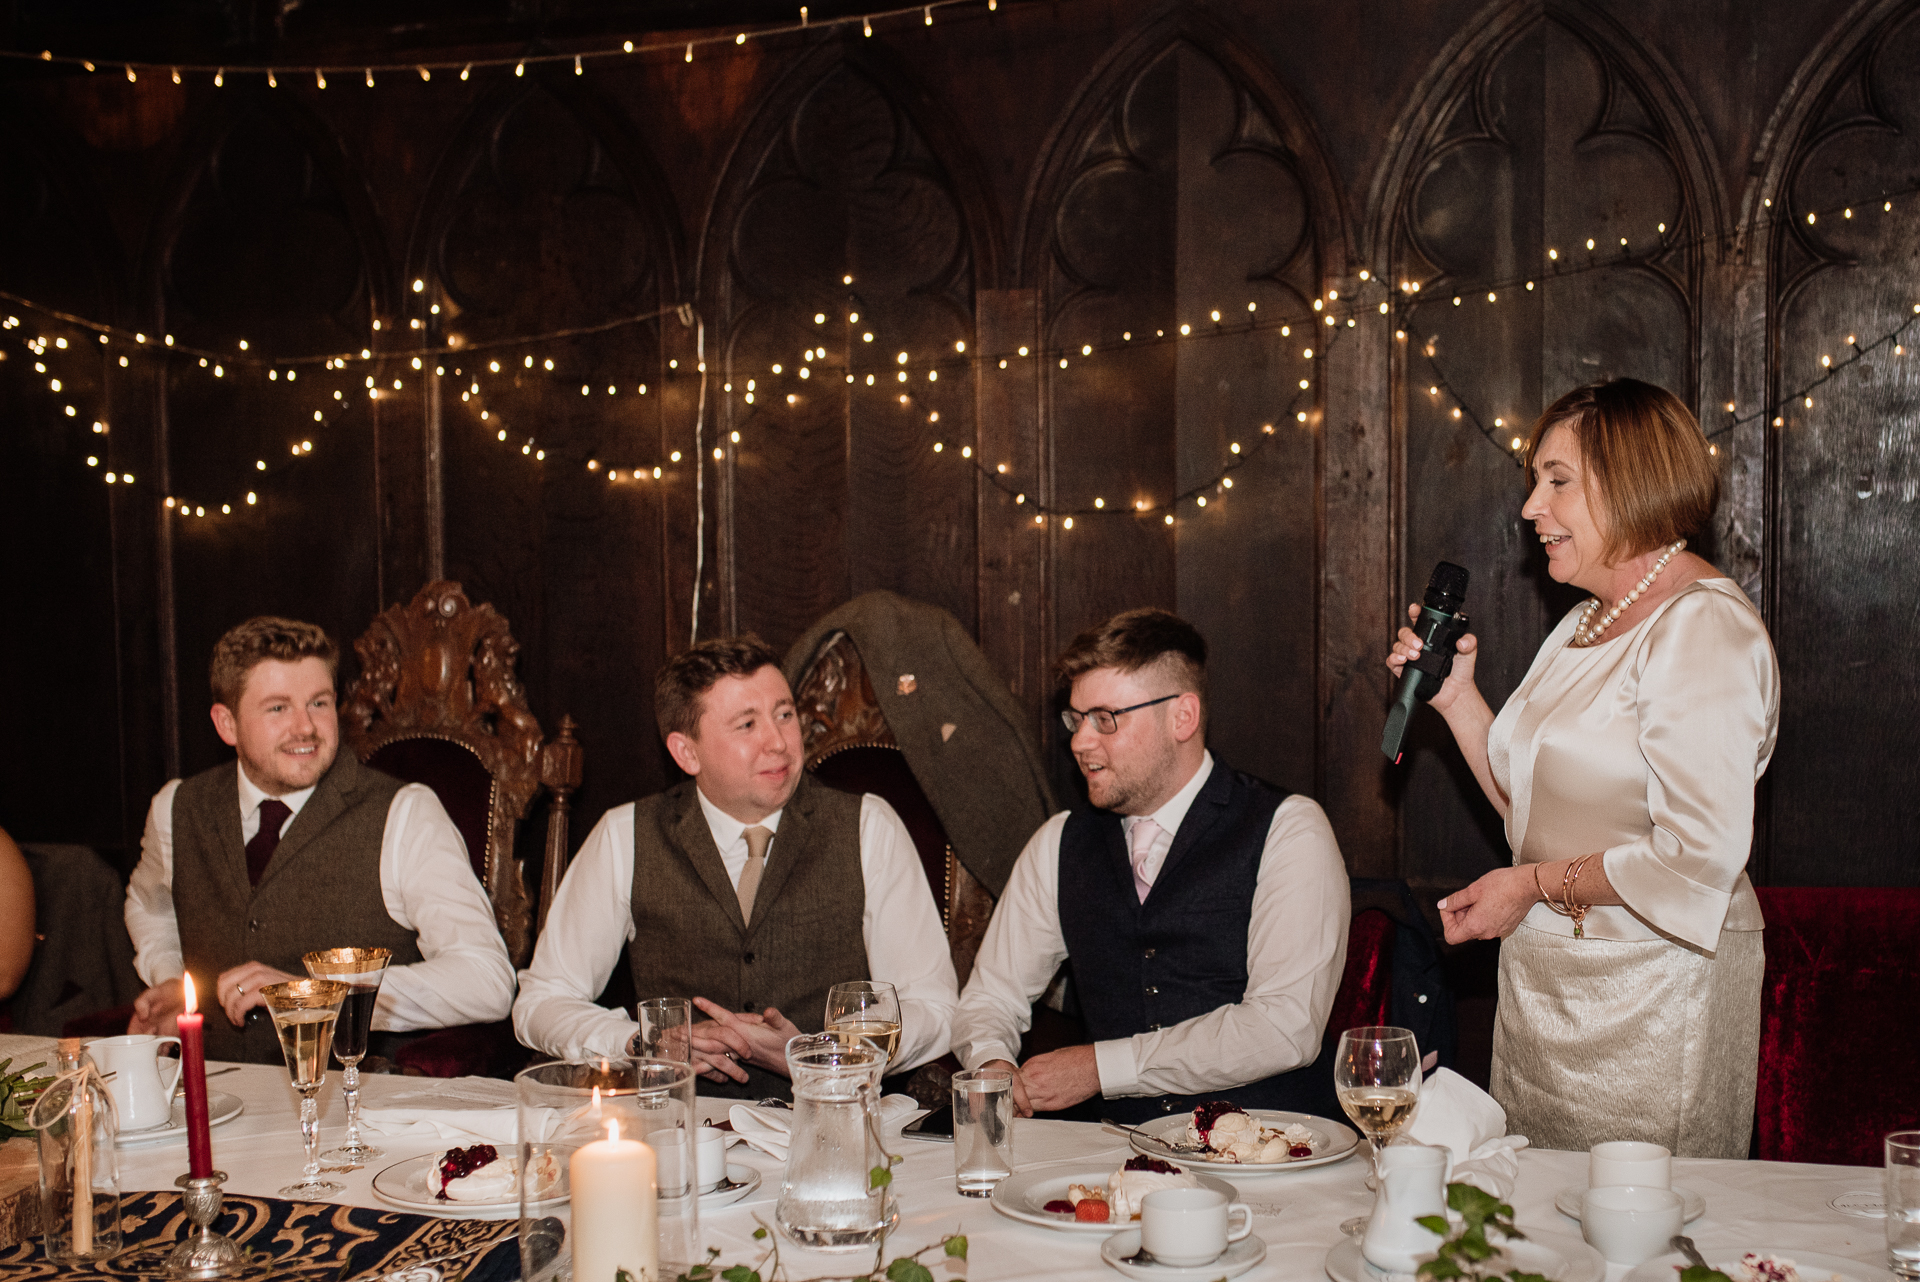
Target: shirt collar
[(1170, 816), (725, 828), (251, 796)]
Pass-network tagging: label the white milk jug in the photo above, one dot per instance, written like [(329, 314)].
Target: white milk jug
[(138, 1095), (1413, 1183)]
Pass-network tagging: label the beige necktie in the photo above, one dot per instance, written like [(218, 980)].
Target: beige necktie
[(757, 839)]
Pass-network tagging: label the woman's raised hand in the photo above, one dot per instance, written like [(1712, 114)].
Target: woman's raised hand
[(1458, 681)]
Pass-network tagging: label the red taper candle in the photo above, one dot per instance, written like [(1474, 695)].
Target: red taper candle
[(193, 1070)]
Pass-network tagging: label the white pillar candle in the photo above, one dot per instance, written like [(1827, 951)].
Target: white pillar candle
[(616, 1215)]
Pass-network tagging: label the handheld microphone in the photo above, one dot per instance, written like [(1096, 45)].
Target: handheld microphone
[(1439, 627)]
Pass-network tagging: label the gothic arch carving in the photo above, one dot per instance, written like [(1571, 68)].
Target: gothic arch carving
[(848, 195)]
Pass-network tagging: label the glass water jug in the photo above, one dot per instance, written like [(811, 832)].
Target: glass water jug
[(829, 1201)]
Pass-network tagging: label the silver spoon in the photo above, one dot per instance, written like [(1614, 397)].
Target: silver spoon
[(1684, 1244), (1172, 1146)]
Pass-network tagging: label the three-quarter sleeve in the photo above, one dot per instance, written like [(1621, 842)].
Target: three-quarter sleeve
[(1708, 702)]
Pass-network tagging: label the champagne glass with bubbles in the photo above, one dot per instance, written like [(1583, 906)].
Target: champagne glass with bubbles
[(304, 1013), (868, 1011), (360, 969), (1376, 1074)]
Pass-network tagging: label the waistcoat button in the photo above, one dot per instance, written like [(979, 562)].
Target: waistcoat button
[(1153, 990), (1146, 952), (748, 959)]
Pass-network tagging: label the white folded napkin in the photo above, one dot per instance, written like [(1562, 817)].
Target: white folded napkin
[(1458, 1116), (495, 1126), (767, 1129)]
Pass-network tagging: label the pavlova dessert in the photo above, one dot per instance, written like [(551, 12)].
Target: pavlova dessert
[(480, 1174), (1754, 1267), (1230, 1134), (1125, 1189)]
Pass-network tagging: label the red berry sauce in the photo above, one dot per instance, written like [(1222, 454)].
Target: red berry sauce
[(1154, 1164), (1059, 1206), (1209, 1113), (462, 1162)]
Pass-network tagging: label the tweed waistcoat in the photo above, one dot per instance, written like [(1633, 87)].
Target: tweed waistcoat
[(321, 889), (1140, 966), (689, 939)]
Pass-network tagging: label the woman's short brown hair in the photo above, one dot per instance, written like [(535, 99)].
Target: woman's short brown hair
[(259, 639), (679, 690), (1652, 477)]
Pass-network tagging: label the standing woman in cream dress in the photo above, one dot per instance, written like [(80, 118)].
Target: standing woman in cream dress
[(1624, 766)]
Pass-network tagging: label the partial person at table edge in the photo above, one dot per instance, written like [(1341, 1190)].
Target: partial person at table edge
[(748, 888), (1624, 765), (17, 935), (1202, 912), (293, 847)]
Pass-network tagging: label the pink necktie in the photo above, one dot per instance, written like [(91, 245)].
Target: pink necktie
[(1144, 831)]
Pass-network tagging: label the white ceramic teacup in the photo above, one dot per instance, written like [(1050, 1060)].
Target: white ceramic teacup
[(1188, 1227), (1630, 1225), (710, 1158), (140, 1100), (1634, 1162)]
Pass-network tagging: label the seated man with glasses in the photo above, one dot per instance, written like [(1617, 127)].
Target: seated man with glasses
[(1201, 913)]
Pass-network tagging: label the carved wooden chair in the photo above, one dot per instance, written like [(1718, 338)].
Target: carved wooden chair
[(849, 746), (437, 702)]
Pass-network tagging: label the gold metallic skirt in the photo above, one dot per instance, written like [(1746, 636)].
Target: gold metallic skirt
[(1600, 1039)]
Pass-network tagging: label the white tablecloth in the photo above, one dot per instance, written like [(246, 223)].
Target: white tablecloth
[(1749, 1204)]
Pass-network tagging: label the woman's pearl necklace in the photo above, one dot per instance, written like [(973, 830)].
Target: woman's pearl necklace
[(1586, 631)]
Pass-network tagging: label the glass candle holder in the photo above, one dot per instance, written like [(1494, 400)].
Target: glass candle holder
[(79, 1168)]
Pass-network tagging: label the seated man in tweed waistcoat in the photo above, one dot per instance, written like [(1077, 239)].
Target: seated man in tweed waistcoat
[(295, 847), (749, 888), (1202, 913)]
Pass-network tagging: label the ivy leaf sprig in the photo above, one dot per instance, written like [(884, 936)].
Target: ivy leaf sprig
[(905, 1268), (1465, 1253), (17, 1093)]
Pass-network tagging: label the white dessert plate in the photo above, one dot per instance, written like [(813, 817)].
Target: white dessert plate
[(1813, 1266), (742, 1180), (404, 1184), (1567, 1202), (1024, 1195), (1332, 1142), (221, 1107), (1558, 1259), (1230, 1263)]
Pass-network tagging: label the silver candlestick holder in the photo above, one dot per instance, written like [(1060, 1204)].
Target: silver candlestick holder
[(204, 1253)]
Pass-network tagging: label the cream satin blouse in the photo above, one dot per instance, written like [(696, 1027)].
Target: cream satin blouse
[(1647, 746)]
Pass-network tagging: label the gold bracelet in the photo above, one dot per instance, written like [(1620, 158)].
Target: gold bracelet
[(1545, 898), (1578, 912)]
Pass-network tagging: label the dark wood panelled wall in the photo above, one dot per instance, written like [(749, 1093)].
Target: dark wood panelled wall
[(1043, 198)]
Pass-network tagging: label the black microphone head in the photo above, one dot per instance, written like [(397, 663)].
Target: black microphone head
[(1447, 589)]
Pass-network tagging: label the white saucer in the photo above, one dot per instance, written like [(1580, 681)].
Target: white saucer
[(746, 1178), (221, 1107), (1812, 1264), (1558, 1259), (1567, 1202), (1231, 1263)]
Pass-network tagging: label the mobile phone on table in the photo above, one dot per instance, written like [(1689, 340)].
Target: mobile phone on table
[(936, 1126)]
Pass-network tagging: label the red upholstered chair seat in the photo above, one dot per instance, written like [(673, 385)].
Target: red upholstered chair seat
[(456, 776), (1836, 1070), (1365, 998)]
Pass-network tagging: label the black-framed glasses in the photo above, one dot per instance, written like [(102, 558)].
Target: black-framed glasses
[(1105, 720)]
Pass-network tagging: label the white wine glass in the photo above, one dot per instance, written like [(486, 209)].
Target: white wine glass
[(1376, 1075), (361, 970), (304, 1013), (866, 1010)]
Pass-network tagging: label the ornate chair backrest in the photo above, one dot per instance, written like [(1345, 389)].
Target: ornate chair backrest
[(437, 702), (849, 746)]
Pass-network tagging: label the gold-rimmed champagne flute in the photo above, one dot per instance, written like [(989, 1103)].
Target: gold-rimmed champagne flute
[(1376, 1074), (865, 1010), (360, 969), (304, 1012)]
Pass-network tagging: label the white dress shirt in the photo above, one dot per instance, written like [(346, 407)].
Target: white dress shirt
[(426, 883), (592, 916), (1296, 953)]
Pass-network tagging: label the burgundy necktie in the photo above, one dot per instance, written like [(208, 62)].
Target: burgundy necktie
[(272, 815)]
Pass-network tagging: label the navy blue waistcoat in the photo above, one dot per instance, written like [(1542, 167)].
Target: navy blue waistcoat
[(1140, 966)]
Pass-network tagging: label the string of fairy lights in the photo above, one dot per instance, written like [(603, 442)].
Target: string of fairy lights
[(370, 73), (858, 363)]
